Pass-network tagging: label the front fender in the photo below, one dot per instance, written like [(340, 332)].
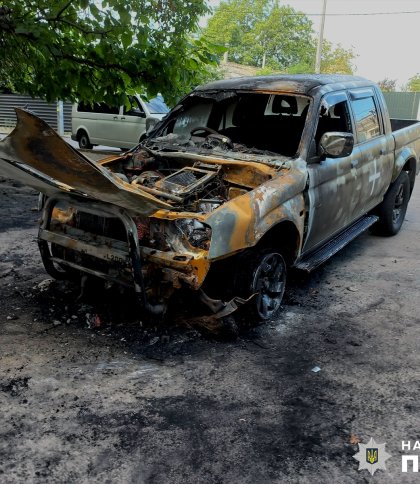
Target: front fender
[(243, 221)]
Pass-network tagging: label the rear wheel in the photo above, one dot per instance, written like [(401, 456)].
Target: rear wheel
[(264, 276), (84, 142), (392, 210)]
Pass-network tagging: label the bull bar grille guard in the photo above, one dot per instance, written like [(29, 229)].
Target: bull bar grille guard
[(119, 251)]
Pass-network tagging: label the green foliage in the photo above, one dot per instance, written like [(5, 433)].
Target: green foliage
[(336, 59), (90, 49), (212, 73), (413, 84), (255, 30), (266, 71), (274, 37), (284, 37), (387, 85), (231, 21), (301, 68)]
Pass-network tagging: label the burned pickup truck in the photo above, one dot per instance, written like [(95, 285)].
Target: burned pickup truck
[(242, 180)]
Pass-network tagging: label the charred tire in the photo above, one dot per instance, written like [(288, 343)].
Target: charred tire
[(84, 142), (392, 210), (264, 275)]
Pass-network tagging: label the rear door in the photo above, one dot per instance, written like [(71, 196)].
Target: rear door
[(376, 149)]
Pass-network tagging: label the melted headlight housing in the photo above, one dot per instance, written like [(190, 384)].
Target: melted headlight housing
[(197, 233)]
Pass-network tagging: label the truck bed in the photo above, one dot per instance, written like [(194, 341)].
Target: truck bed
[(397, 124)]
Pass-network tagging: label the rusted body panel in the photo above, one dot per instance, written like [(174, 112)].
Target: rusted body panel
[(159, 217), (246, 219)]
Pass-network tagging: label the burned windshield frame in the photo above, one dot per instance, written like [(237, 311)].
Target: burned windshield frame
[(264, 122), (217, 96)]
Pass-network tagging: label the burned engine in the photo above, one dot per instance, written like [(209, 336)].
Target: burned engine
[(198, 188)]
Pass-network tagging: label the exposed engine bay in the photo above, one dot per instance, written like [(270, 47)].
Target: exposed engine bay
[(188, 184), (199, 188)]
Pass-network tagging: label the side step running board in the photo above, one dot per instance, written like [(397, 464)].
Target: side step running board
[(311, 261)]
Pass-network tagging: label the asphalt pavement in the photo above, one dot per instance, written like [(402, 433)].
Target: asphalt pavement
[(91, 392)]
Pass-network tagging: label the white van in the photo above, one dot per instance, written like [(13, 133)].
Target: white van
[(122, 127)]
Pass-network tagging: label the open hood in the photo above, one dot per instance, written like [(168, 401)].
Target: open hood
[(37, 156)]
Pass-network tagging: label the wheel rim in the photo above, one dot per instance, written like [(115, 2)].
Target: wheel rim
[(269, 282), (83, 141), (398, 204)]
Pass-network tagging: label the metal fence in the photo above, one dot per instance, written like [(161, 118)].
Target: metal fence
[(403, 105), (46, 111)]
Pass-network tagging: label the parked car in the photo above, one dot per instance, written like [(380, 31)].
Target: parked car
[(122, 127), (243, 180)]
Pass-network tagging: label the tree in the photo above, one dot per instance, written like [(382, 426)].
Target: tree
[(265, 34), (387, 85), (281, 39), (413, 84), (260, 33), (336, 59), (232, 20), (90, 49)]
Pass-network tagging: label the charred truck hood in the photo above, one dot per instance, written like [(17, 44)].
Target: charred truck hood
[(38, 157)]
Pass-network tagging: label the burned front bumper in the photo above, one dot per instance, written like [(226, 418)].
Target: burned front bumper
[(115, 255)]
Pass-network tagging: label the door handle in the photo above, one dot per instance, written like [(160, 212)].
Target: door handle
[(123, 117), (115, 117)]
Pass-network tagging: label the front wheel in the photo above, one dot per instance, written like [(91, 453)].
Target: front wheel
[(392, 210), (264, 276)]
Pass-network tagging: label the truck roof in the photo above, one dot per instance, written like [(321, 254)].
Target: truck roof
[(297, 83)]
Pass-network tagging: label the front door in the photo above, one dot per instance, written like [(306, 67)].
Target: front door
[(334, 186)]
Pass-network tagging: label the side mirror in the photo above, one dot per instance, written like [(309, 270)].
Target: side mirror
[(336, 144)]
